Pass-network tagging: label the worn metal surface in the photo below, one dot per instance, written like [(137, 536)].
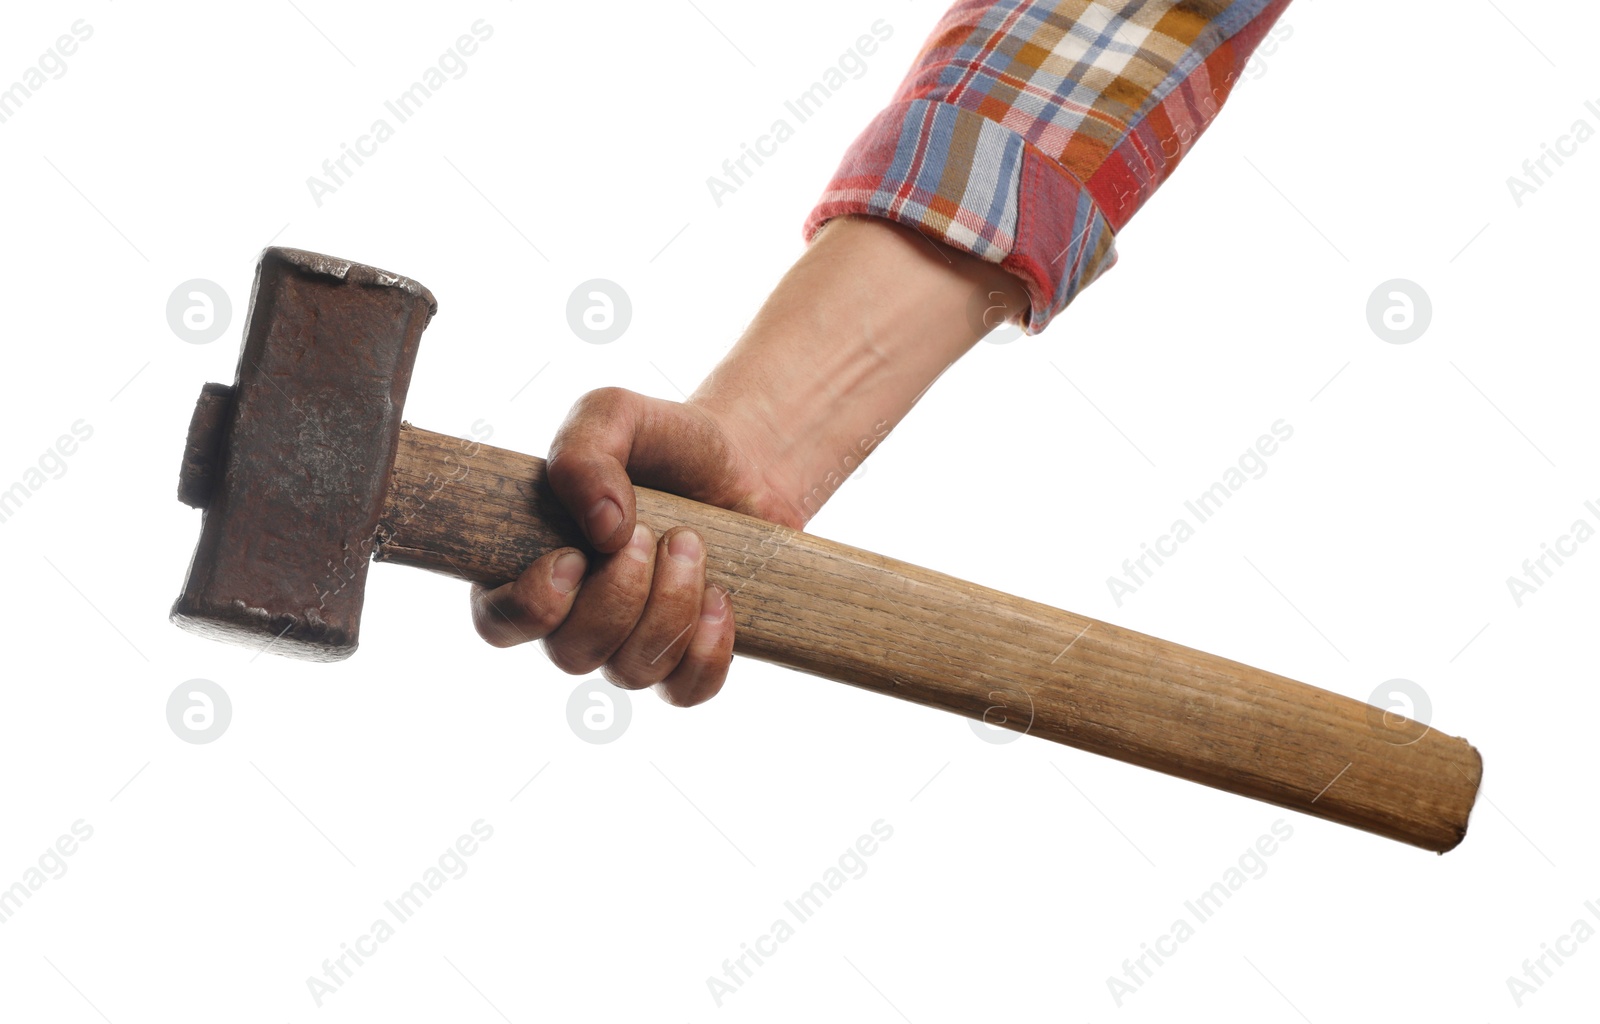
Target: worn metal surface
[(300, 458)]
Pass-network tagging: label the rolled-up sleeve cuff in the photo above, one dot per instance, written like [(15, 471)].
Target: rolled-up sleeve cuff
[(974, 184), (1029, 132)]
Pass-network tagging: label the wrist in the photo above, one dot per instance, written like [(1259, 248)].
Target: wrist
[(852, 336)]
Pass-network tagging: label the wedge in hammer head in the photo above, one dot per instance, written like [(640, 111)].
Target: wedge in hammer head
[(291, 464)]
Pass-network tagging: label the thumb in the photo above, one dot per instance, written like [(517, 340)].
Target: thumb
[(613, 439), (587, 467)]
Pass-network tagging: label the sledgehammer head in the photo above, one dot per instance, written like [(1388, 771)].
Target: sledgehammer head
[(292, 463)]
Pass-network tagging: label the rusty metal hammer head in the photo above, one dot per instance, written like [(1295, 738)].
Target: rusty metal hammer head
[(291, 464)]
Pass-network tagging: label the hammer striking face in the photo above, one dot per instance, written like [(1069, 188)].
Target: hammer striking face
[(293, 462)]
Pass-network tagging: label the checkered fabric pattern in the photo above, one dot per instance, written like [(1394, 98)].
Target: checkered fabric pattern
[(1028, 133)]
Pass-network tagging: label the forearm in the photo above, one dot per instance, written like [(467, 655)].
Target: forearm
[(980, 180), (852, 336)]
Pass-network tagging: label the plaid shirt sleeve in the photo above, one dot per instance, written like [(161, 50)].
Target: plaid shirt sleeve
[(1028, 133)]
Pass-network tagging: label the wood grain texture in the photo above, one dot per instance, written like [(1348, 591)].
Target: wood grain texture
[(483, 514)]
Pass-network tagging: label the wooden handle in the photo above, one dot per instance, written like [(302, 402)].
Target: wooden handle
[(483, 514)]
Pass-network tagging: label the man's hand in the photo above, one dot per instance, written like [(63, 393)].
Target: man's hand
[(845, 345), (642, 612)]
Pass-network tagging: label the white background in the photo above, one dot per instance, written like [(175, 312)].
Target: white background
[(1375, 143)]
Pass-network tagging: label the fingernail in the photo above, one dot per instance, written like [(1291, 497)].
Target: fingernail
[(566, 573), (713, 605), (640, 544), (685, 546), (603, 520)]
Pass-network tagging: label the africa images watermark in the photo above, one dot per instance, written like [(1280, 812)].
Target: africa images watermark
[(1251, 865), (851, 864), (52, 864), (1537, 571), (51, 65), (52, 465), (337, 172), (1540, 969), (451, 864), (1255, 68), (1137, 571), (736, 171), (812, 500), (1537, 171)]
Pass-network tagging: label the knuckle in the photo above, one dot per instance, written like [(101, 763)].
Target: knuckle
[(695, 688), (604, 398), (543, 620), (569, 658), (630, 673), (565, 466), (532, 614), (493, 622), (596, 404), (488, 631), (622, 588), (695, 667)]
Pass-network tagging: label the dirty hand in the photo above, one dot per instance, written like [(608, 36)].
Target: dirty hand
[(640, 610), (852, 336)]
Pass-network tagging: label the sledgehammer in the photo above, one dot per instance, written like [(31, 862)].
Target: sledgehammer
[(306, 473)]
